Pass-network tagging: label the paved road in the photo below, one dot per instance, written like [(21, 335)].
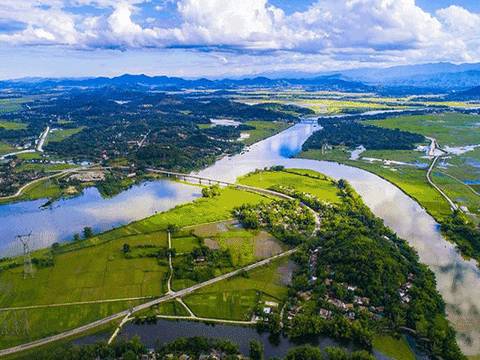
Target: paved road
[(452, 204), (42, 139), (126, 313)]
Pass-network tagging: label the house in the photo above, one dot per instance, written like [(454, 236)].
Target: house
[(183, 357), (351, 316), (267, 310), (337, 303), (326, 314)]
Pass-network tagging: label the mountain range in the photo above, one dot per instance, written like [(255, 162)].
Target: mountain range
[(426, 78)]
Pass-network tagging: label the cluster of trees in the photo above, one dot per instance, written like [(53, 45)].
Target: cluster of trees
[(128, 350), (353, 134), (211, 191), (227, 132), (464, 232), (195, 346), (200, 264), (354, 247), (285, 219), (192, 346), (292, 109)]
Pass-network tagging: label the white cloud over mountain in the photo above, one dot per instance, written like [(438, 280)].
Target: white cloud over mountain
[(354, 30)]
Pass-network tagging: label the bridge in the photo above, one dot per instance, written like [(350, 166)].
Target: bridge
[(185, 177), (208, 181)]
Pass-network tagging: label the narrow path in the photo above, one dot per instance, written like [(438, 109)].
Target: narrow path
[(3, 157), (180, 300), (127, 313), (169, 289), (452, 204), (19, 192), (74, 303), (461, 182)]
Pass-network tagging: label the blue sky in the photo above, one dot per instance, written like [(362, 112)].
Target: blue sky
[(227, 38)]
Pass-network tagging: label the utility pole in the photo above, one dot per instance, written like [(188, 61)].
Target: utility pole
[(27, 260)]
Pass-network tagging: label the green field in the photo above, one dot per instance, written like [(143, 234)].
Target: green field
[(14, 104), (410, 179), (323, 188), (10, 125), (205, 210), (171, 308), (61, 134), (263, 130), (448, 129), (245, 246), (5, 149), (96, 269), (396, 349), (235, 298)]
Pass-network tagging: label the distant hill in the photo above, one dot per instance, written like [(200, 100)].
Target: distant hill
[(425, 78), (330, 82)]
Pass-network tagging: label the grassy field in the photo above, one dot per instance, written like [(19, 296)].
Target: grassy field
[(448, 129), (204, 210), (5, 149), (245, 246), (264, 129), (171, 308), (61, 134), (396, 349), (8, 105), (96, 269), (10, 125), (410, 179), (322, 188), (235, 298), (25, 326)]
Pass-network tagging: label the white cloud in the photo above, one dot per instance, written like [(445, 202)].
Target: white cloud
[(351, 30)]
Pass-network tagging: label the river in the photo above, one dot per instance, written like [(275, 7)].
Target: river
[(458, 280)]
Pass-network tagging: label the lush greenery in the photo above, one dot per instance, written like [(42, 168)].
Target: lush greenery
[(352, 134), (355, 248)]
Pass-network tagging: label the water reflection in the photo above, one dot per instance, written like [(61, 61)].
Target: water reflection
[(66, 217)]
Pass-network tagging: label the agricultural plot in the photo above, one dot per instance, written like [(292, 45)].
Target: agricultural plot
[(5, 149), (9, 105), (61, 134), (448, 129), (11, 125), (97, 269), (236, 298), (245, 246)]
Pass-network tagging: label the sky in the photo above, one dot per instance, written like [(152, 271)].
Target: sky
[(230, 38)]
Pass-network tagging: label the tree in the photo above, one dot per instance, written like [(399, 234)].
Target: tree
[(129, 355), (126, 248), (305, 352), (87, 232), (361, 355), (255, 350), (336, 353), (76, 237), (55, 246)]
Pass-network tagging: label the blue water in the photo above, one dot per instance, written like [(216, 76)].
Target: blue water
[(66, 217)]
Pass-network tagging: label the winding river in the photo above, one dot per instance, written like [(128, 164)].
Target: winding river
[(458, 280)]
